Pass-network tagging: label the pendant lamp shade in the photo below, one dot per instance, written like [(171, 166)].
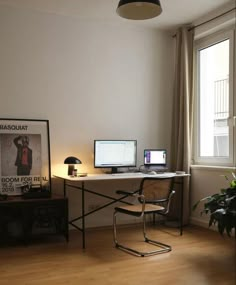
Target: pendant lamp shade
[(139, 9)]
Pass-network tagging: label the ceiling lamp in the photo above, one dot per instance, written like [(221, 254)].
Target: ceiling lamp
[(139, 9)]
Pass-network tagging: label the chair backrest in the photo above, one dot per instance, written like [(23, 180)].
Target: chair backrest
[(155, 189)]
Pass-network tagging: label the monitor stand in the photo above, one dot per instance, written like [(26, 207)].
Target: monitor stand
[(114, 170)]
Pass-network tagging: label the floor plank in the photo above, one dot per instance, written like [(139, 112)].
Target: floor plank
[(199, 257)]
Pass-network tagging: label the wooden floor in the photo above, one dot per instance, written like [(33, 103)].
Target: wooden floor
[(199, 257)]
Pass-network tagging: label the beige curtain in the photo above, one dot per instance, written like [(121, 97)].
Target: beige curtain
[(183, 114)]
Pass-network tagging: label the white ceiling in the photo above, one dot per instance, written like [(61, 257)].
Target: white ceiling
[(175, 12)]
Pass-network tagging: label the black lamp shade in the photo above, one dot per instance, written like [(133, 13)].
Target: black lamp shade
[(71, 160), (139, 9)]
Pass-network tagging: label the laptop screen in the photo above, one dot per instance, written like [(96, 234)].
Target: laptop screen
[(155, 157)]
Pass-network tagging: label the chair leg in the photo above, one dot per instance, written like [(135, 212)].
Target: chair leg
[(162, 247), (114, 229), (153, 218), (120, 246)]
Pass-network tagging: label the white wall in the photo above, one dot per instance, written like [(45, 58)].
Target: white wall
[(91, 79)]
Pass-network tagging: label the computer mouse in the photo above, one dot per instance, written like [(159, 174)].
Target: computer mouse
[(152, 172)]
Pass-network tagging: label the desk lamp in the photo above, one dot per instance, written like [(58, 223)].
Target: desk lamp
[(71, 160)]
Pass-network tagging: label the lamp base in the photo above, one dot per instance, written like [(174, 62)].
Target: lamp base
[(70, 169)]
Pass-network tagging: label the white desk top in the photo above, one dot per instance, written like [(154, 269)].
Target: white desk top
[(129, 175)]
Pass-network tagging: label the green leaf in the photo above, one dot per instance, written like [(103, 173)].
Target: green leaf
[(233, 184)]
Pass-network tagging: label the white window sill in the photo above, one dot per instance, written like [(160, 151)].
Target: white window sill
[(213, 168)]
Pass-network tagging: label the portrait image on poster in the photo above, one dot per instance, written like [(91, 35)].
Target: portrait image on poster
[(21, 154)]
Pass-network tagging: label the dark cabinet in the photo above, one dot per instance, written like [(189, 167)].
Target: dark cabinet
[(25, 218)]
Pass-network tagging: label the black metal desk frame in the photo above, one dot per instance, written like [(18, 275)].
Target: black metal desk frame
[(82, 217), (84, 190)]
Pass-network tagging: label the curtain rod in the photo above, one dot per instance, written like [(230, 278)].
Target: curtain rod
[(203, 23)]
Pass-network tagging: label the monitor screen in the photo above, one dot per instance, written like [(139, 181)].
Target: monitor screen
[(155, 157), (115, 153)]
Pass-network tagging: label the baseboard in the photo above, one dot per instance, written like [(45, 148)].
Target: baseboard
[(201, 223), (204, 224)]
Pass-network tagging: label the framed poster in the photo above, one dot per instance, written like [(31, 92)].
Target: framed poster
[(24, 155)]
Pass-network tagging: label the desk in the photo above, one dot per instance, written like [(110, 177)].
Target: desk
[(101, 177)]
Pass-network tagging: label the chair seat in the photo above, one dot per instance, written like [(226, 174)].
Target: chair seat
[(136, 210)]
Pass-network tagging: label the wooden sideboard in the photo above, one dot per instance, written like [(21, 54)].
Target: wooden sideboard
[(24, 219)]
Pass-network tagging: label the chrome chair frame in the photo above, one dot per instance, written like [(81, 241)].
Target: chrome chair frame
[(144, 210)]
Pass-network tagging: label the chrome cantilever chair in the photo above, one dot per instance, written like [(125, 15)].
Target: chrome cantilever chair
[(151, 193)]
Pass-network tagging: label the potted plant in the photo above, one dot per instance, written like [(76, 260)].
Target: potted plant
[(222, 208)]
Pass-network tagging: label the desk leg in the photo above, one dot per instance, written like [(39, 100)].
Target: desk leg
[(83, 211), (181, 211), (64, 189), (181, 208), (83, 215)]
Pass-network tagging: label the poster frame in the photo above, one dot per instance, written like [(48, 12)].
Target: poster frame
[(13, 134)]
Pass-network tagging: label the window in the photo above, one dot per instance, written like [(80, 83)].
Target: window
[(214, 100)]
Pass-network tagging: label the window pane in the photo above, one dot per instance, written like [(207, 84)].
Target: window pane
[(214, 100)]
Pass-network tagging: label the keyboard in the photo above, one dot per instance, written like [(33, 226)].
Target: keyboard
[(127, 174)]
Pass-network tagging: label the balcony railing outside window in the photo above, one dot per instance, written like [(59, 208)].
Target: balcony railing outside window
[(221, 102)]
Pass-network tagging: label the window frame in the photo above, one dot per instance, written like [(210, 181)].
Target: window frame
[(198, 46)]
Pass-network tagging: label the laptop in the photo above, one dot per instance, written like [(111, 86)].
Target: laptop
[(155, 159)]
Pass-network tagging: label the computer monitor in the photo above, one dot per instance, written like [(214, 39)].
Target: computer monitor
[(155, 157), (115, 154)]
